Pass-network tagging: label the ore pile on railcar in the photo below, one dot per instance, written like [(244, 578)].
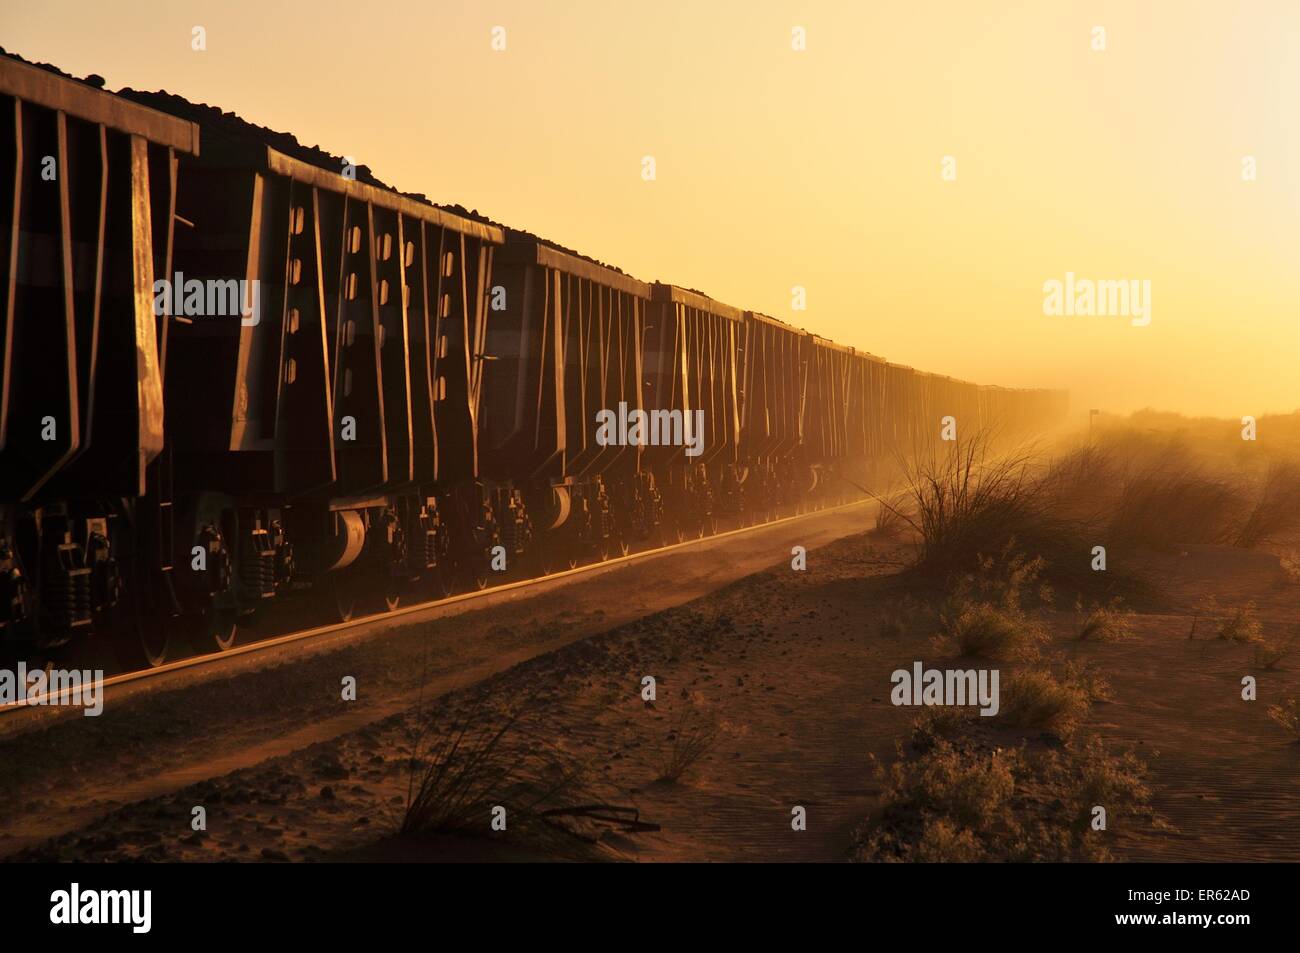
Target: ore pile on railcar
[(366, 394)]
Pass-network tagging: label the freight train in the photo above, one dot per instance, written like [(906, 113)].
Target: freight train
[(236, 370)]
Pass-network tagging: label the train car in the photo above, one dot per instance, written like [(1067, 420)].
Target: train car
[(831, 381), (772, 402), (88, 212), (691, 392), (323, 385), (560, 440)]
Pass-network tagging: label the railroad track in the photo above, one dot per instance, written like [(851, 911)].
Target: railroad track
[(422, 611)]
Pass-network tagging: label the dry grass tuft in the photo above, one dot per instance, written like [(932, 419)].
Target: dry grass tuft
[(890, 522), (693, 735), (1105, 623), (1041, 701), (962, 803), (1240, 624), (1274, 513), (986, 631), (1286, 716), (461, 769), (1269, 653)]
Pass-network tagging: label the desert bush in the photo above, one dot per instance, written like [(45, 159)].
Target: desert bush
[(988, 631), (1105, 623), (941, 723), (1269, 653), (955, 802), (455, 776), (1087, 677), (889, 517), (969, 507), (461, 768), (1274, 512), (1039, 700), (1164, 506), (969, 789), (1229, 623), (943, 842), (1081, 484), (1286, 716), (965, 501), (692, 736), (1240, 624), (1114, 782)]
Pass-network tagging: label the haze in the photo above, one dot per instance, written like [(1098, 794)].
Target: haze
[(822, 167)]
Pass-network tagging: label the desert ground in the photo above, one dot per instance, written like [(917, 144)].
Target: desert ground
[(771, 732)]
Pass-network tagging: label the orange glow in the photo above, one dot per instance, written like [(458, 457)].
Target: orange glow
[(819, 168)]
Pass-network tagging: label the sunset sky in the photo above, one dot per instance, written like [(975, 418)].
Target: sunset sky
[(822, 167)]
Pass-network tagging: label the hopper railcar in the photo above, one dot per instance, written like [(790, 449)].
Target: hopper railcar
[(565, 347), (692, 382), (89, 187)]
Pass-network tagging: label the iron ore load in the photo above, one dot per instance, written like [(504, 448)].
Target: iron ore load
[(237, 371)]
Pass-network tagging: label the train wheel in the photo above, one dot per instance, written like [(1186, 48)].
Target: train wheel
[(345, 605), (671, 533), (477, 573), (557, 553), (142, 632), (436, 583), (341, 604), (216, 630), (394, 588), (153, 642)]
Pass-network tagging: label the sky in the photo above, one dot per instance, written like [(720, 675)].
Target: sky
[(923, 171)]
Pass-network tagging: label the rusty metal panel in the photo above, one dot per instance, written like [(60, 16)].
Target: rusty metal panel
[(281, 164), (48, 90), (42, 426), (148, 369), (393, 335), (566, 347), (421, 349), (358, 392), (304, 433)]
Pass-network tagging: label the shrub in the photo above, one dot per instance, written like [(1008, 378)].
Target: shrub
[(1269, 653), (1274, 512), (1240, 624), (1163, 506), (987, 631), (1286, 716), (693, 735), (1105, 623), (1038, 700)]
